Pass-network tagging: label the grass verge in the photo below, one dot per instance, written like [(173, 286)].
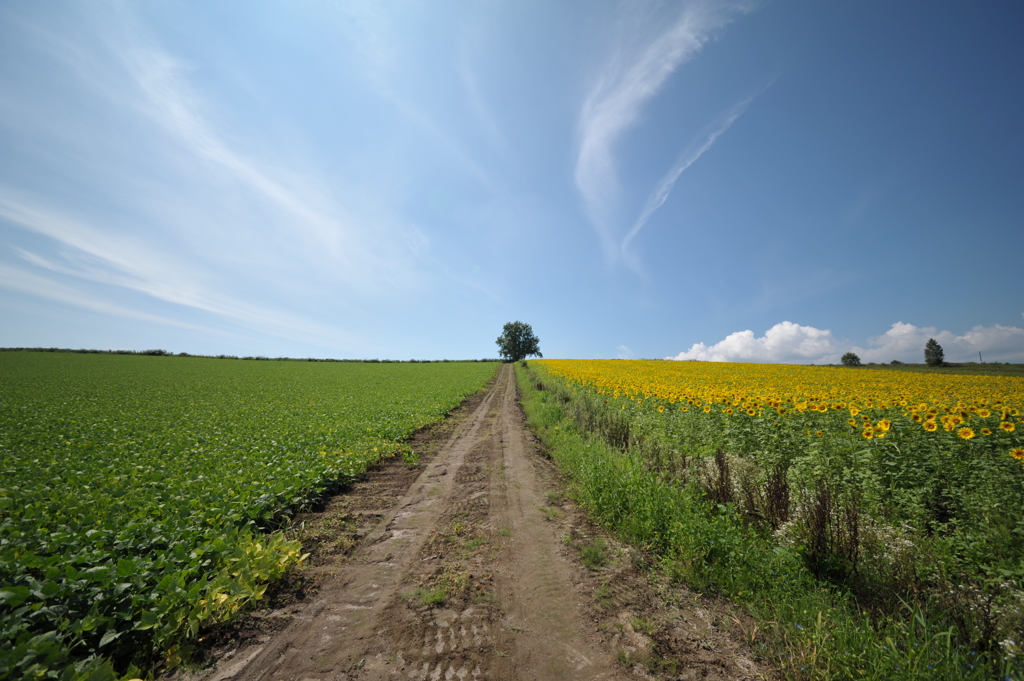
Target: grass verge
[(815, 629)]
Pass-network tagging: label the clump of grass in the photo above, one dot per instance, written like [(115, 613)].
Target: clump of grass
[(550, 513), (648, 627), (429, 597), (594, 554), (604, 597)]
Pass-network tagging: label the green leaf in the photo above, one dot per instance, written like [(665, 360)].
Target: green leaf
[(14, 596), (110, 635), (148, 621)]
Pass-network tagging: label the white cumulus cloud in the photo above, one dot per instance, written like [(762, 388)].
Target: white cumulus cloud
[(787, 342), (905, 342)]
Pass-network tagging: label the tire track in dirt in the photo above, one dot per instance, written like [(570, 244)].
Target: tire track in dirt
[(474, 573), (324, 637)]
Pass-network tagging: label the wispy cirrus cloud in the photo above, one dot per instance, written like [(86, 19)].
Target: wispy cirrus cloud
[(164, 195), (96, 256), (664, 187), (17, 279), (169, 100), (630, 79)]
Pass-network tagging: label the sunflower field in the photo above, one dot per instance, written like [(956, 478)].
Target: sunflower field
[(141, 496), (872, 516)]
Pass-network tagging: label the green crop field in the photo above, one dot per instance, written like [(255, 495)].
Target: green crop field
[(139, 495)]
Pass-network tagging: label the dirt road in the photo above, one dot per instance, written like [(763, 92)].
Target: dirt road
[(473, 571)]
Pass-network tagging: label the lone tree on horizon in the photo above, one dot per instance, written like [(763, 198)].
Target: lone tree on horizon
[(850, 359), (933, 354), (517, 342)]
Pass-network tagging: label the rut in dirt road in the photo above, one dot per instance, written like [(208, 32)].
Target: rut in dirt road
[(462, 579)]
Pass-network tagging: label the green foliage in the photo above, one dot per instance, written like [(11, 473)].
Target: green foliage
[(429, 597), (933, 354), (517, 342), (594, 554), (850, 359), (896, 557), (135, 490)]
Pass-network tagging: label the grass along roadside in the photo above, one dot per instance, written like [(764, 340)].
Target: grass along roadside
[(814, 629)]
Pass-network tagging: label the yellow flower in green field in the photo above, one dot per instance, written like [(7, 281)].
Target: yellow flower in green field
[(878, 432), (661, 408), (751, 412), (1018, 454), (854, 411), (1008, 426), (931, 426), (917, 418), (868, 433), (707, 408), (984, 413), (686, 409), (965, 433), (986, 431), (884, 424), (852, 422), (820, 434)]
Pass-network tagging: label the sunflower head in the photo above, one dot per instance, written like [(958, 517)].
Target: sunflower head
[(1008, 426), (1018, 454), (931, 426), (965, 433)]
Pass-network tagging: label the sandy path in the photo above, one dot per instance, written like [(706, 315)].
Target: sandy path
[(469, 568), (471, 528)]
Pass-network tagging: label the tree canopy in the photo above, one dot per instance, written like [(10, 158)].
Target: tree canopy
[(933, 354), (517, 342)]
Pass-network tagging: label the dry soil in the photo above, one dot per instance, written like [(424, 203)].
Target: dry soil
[(471, 566)]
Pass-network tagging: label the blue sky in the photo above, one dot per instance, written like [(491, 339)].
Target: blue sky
[(761, 181)]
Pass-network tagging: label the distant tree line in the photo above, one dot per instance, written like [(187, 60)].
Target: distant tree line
[(164, 353)]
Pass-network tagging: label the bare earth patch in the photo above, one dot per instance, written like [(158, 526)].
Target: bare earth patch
[(474, 565)]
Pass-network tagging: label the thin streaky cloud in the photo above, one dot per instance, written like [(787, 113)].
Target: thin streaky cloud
[(664, 187), (116, 261), (379, 44), (354, 250), (614, 105), (16, 279), (484, 114)]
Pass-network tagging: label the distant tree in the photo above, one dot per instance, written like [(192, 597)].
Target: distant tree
[(850, 360), (933, 355), (517, 342)]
